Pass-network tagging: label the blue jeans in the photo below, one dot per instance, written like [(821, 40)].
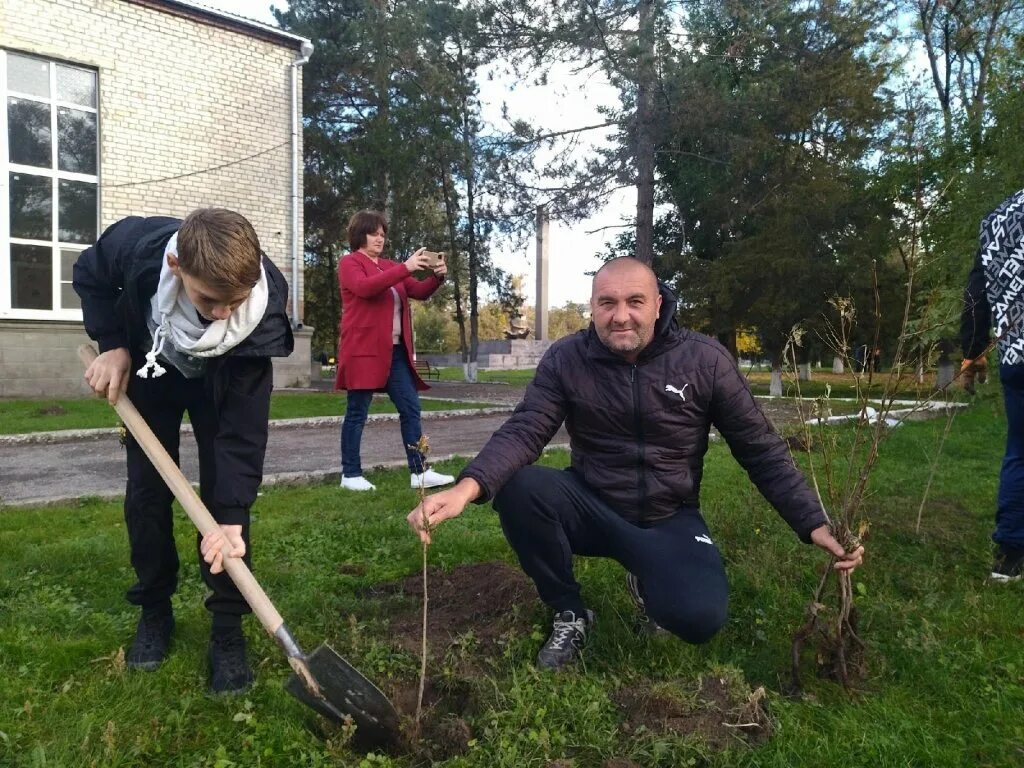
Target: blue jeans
[(1010, 502), (401, 388)]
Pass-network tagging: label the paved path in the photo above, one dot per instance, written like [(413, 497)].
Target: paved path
[(40, 473), (51, 468)]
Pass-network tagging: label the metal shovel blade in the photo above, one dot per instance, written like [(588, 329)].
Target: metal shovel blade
[(346, 693)]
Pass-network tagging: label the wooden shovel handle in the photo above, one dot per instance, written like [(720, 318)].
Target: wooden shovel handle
[(189, 499)]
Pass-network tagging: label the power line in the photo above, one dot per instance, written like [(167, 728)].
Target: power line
[(200, 171)]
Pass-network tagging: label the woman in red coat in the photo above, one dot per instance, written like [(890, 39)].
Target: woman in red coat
[(375, 345)]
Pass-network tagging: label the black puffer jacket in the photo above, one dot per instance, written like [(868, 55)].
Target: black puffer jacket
[(116, 279), (639, 432)]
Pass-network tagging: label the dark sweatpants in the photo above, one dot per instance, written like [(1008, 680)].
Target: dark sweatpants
[(550, 515), (162, 402)]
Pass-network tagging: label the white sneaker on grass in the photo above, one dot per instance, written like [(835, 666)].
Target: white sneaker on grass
[(358, 483), (429, 479)]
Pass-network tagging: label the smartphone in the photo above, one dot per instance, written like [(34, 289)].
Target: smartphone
[(435, 259)]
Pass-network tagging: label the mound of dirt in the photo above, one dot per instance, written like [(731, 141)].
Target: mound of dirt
[(719, 712), (473, 609), (478, 604)]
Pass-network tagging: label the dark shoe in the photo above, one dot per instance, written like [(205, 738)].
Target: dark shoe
[(568, 636), (229, 668), (644, 625), (152, 639), (1009, 564)]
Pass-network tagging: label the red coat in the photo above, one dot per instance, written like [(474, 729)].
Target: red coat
[(367, 310)]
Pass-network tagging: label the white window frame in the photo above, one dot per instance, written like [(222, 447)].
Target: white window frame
[(7, 312)]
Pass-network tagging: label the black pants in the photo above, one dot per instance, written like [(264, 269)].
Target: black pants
[(550, 515), (162, 402)]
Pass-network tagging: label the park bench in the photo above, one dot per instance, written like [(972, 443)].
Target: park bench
[(426, 370)]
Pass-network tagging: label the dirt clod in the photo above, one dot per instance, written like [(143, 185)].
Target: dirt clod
[(800, 443), (719, 711)]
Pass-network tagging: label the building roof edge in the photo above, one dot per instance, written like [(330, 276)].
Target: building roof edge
[(220, 18)]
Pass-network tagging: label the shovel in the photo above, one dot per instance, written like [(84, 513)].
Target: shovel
[(322, 680)]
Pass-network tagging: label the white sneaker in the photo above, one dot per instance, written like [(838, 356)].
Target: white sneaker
[(359, 483), (430, 479)]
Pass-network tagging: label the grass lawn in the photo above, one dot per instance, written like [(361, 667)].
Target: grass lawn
[(838, 385), (518, 377), (20, 416), (945, 682), (843, 384)]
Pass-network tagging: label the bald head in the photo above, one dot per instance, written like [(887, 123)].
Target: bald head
[(624, 305), (624, 267)]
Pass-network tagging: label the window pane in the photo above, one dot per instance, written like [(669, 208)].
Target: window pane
[(31, 206), (76, 141), (68, 298), (76, 85), (77, 203), (68, 258), (28, 128), (28, 75), (31, 277)]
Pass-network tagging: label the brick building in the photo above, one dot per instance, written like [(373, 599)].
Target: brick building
[(114, 108)]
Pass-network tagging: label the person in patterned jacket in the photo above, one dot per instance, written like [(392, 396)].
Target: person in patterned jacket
[(994, 298), (638, 396)]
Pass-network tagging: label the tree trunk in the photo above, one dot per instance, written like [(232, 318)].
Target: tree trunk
[(837, 364), (335, 300), (474, 317), (944, 372), (382, 85), (644, 153), (727, 339), (775, 388), (803, 371), (453, 264)]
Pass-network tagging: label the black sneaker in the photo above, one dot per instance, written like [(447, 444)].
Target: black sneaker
[(1009, 564), (152, 639), (229, 668), (644, 625), (568, 636)]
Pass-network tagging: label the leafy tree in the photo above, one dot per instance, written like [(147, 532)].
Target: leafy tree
[(770, 118), (955, 174), (434, 328), (392, 123), (567, 319), (620, 39), (963, 41)]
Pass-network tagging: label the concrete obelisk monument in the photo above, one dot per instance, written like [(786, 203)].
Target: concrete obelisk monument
[(540, 330)]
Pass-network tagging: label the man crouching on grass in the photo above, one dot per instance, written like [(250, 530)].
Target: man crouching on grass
[(638, 396)]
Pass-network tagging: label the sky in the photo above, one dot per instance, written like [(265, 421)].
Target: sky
[(568, 103)]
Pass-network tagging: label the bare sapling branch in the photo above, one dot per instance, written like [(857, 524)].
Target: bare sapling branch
[(423, 449)]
